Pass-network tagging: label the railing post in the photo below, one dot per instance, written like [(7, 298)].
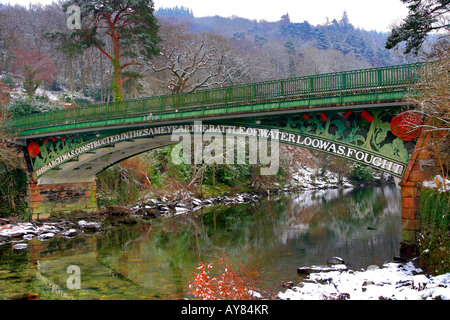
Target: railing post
[(281, 92), (379, 83), (311, 89), (343, 85), (252, 95), (183, 101), (203, 101)]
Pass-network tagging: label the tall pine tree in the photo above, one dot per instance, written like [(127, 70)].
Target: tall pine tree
[(131, 26)]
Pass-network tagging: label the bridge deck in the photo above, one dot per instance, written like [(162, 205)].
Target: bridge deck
[(332, 89)]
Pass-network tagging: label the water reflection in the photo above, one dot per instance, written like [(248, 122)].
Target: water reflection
[(155, 260)]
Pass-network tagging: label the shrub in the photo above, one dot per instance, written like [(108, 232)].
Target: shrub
[(435, 210), (117, 186), (434, 242), (229, 285), (23, 106), (13, 189), (234, 280), (361, 174)]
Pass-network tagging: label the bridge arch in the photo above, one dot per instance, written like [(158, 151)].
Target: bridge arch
[(63, 167), (361, 136), (352, 114)]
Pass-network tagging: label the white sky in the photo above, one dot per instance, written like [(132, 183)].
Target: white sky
[(367, 14)]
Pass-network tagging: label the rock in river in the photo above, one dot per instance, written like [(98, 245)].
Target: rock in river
[(317, 269), (20, 246), (90, 226), (335, 260)]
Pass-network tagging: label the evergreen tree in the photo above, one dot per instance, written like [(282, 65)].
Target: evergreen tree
[(344, 23), (177, 11), (322, 40), (68, 48), (290, 47), (130, 25), (424, 17)]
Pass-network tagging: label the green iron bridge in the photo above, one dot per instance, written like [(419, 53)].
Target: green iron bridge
[(351, 114), (326, 91)]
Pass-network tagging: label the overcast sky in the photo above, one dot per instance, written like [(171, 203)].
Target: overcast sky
[(367, 14)]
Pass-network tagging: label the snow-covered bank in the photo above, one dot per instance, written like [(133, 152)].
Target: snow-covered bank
[(20, 233), (307, 178), (311, 178), (186, 203), (394, 281), (438, 183), (182, 201)]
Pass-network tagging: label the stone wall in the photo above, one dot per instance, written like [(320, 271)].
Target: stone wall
[(420, 168), (44, 200)]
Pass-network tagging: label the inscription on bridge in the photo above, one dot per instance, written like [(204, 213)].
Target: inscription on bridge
[(74, 149)]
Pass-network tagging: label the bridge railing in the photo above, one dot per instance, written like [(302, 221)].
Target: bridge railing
[(347, 83)]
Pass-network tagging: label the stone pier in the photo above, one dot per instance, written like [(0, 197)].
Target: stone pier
[(43, 200), (421, 167)]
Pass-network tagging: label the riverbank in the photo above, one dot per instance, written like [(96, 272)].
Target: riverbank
[(175, 201), (393, 281), (401, 283), (18, 233), (304, 179)]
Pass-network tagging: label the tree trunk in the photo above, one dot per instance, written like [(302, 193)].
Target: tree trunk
[(83, 79), (101, 78), (88, 74), (117, 82), (108, 91), (70, 71), (1, 62)]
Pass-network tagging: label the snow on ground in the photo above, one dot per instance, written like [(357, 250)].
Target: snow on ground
[(394, 281), (53, 96), (307, 177), (437, 183)]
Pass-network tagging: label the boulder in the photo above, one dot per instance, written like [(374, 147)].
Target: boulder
[(46, 236), (20, 246), (89, 226), (70, 233), (319, 269), (335, 260)]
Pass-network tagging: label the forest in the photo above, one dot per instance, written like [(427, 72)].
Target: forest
[(195, 53), (45, 66)]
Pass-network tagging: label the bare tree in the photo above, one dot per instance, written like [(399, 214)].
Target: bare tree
[(430, 98), (193, 61), (9, 156)]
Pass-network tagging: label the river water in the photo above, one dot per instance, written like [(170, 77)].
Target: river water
[(156, 259)]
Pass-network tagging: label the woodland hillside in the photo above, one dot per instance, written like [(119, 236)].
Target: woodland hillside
[(232, 50), (43, 68)]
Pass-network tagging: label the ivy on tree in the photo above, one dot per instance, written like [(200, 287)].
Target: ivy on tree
[(131, 27)]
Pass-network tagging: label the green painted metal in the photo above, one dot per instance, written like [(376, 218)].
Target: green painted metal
[(369, 142), (333, 89), (348, 134)]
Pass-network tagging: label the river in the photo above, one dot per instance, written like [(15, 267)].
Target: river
[(156, 259)]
